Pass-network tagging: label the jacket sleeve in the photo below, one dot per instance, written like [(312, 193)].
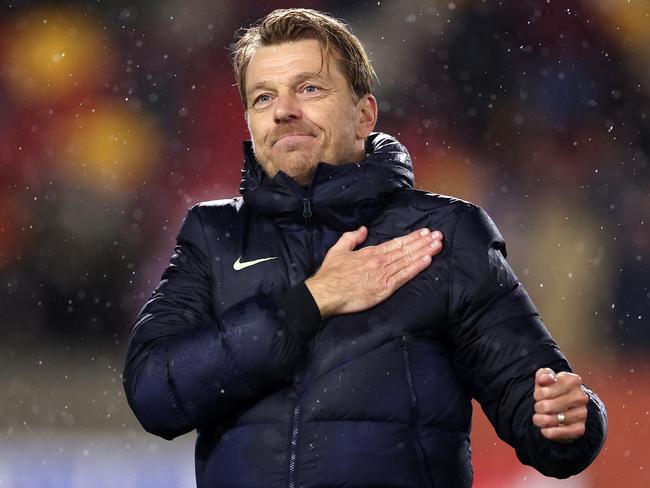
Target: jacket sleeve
[(186, 367), (499, 342)]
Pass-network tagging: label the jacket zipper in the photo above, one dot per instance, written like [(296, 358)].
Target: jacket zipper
[(306, 210), (424, 471), (295, 427), (295, 417), (293, 446)]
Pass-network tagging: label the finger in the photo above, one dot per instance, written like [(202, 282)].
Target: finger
[(545, 377), (407, 259), (426, 241), (571, 416), (565, 374), (418, 248), (567, 433), (408, 273), (573, 399), (350, 240), (564, 383), (400, 242)]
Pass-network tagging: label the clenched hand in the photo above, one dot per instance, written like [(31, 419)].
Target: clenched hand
[(353, 281), (560, 405)]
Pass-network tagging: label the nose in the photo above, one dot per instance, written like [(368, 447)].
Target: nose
[(287, 108)]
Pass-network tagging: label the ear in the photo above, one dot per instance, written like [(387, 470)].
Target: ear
[(366, 116)]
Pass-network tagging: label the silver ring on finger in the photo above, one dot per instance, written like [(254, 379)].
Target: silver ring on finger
[(561, 419)]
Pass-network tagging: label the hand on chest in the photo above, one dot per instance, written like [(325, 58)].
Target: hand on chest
[(269, 259)]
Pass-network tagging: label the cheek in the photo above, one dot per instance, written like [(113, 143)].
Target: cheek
[(256, 128), (340, 121), (347, 118), (344, 126)]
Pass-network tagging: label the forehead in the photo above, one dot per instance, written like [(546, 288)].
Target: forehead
[(280, 62)]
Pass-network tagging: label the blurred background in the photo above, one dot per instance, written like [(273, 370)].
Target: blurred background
[(117, 116)]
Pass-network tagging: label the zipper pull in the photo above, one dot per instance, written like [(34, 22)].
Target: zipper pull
[(306, 210)]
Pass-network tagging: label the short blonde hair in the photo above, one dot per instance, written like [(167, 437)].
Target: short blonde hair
[(294, 24)]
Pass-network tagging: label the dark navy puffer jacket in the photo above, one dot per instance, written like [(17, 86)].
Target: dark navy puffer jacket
[(381, 398)]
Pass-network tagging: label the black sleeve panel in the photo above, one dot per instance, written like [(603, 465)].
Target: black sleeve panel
[(300, 311)]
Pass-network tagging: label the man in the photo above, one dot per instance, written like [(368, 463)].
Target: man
[(315, 332)]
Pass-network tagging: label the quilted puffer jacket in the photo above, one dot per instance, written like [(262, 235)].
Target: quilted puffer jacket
[(231, 343)]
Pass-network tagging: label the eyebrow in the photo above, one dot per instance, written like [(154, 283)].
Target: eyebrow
[(294, 79)]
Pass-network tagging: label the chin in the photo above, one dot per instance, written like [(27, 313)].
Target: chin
[(301, 175)]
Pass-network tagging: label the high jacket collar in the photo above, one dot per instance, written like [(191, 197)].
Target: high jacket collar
[(342, 196)]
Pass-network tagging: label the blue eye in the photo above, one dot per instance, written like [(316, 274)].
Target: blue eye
[(262, 99), (311, 89)]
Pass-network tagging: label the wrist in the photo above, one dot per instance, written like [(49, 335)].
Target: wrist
[(325, 301)]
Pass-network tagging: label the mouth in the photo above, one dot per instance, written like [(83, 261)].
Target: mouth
[(291, 139)]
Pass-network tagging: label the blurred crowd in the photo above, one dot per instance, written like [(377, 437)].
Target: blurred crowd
[(115, 117)]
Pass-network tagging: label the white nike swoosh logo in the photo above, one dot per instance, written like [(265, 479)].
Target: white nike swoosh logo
[(238, 265)]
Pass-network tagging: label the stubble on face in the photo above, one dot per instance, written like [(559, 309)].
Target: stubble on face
[(291, 151)]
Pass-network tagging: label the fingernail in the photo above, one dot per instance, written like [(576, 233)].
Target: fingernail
[(424, 232), (437, 235), (426, 258), (435, 244)]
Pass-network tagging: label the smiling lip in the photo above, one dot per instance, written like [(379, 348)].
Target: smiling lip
[(288, 138)]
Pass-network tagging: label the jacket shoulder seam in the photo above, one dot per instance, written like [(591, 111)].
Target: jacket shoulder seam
[(209, 257), (195, 209)]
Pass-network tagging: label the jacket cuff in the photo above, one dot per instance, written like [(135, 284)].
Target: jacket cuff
[(564, 460), (301, 311)]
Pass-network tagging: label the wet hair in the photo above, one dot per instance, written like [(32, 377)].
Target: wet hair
[(296, 24)]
